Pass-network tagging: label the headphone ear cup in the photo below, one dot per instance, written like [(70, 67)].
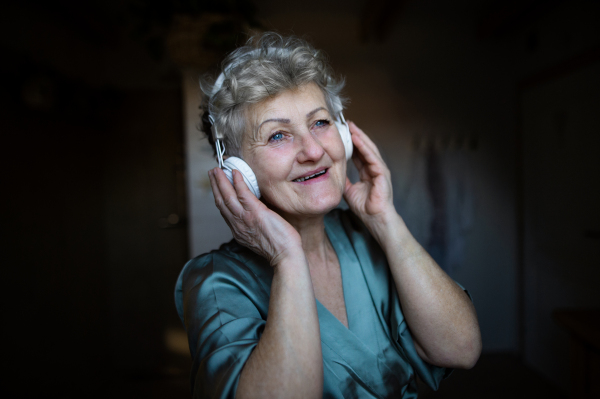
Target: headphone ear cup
[(232, 163), (344, 130)]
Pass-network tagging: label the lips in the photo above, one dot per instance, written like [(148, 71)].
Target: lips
[(311, 175)]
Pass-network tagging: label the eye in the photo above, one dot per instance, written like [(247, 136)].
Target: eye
[(276, 137), (322, 123)]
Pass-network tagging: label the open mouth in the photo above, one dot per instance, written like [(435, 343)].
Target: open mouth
[(301, 179)]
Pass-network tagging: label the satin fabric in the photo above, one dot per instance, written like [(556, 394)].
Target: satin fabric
[(222, 298)]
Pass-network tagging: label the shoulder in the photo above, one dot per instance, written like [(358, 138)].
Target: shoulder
[(226, 273), (222, 299), (230, 258)]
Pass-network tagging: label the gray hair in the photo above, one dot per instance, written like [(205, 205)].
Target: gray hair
[(267, 65)]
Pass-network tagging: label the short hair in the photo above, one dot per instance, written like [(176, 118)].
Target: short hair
[(266, 66)]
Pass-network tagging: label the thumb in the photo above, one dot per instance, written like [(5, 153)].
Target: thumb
[(348, 185)]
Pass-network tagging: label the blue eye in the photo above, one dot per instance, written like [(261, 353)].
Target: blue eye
[(276, 137), (322, 123)]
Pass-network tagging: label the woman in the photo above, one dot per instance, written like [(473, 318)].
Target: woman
[(309, 300)]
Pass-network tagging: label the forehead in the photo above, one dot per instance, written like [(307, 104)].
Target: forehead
[(288, 105)]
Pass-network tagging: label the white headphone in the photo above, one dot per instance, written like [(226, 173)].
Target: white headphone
[(231, 163)]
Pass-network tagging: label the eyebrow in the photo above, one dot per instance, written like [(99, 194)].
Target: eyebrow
[(283, 120), (280, 120), (314, 111)]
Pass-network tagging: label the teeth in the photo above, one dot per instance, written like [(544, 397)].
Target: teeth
[(311, 176)]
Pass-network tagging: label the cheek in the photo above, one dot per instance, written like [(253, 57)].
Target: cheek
[(271, 167), (336, 146), (338, 155)]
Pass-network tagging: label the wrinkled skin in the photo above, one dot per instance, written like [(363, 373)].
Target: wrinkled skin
[(292, 135)]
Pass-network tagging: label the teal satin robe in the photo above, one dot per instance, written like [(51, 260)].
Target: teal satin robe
[(223, 300)]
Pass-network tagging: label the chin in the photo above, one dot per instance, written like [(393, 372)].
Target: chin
[(323, 204), (311, 206)]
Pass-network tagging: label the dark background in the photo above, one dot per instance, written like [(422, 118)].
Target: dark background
[(97, 211)]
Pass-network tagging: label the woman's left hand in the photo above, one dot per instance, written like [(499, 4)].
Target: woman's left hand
[(371, 198), (441, 317)]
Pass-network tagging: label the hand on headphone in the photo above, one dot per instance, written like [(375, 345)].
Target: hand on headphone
[(371, 198), (253, 224)]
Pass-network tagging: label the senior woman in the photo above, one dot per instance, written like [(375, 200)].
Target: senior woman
[(309, 300)]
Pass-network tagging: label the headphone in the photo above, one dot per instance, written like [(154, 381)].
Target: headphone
[(231, 163)]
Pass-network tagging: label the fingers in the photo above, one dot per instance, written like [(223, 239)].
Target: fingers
[(348, 185), (366, 147), (246, 198), (236, 198), (215, 188), (225, 194), (368, 158), (358, 132)]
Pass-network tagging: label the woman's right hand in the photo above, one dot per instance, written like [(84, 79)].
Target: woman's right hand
[(253, 224)]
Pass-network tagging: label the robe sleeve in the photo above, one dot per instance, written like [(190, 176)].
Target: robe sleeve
[(221, 315), (429, 374)]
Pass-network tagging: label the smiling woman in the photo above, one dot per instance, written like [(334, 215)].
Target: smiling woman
[(296, 153), (310, 300)]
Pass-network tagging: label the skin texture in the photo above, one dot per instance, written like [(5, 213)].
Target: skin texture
[(292, 135)]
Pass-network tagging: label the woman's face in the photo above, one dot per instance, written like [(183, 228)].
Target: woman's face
[(294, 137)]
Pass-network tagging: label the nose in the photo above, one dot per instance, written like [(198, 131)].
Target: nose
[(311, 149)]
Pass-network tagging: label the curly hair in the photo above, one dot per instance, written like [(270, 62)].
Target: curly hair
[(267, 65)]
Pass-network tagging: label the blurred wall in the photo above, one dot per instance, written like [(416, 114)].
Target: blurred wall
[(559, 99)]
